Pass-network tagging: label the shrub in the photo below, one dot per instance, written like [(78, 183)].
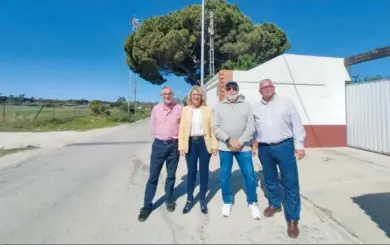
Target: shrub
[(97, 107)]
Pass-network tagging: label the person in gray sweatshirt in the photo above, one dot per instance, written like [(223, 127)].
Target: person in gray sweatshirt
[(233, 126)]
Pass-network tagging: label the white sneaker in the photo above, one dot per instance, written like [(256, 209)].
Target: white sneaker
[(226, 209), (255, 211)]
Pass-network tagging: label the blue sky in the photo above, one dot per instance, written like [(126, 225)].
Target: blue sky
[(73, 48)]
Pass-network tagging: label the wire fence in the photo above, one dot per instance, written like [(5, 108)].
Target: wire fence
[(16, 113), (49, 117)]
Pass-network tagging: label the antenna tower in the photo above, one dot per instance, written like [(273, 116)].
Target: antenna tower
[(133, 76), (211, 48)]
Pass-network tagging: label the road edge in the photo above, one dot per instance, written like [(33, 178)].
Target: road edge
[(13, 160)]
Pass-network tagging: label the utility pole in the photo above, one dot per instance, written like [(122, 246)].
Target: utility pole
[(211, 48), (130, 97), (133, 79), (202, 48)]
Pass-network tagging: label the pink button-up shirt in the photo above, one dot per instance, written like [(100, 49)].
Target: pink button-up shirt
[(164, 121)]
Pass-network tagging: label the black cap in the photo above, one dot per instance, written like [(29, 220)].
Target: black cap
[(231, 83)]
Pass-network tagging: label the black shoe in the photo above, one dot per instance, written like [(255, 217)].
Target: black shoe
[(171, 206), (187, 208), (203, 207), (144, 214)]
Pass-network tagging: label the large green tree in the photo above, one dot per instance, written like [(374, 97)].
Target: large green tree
[(170, 44)]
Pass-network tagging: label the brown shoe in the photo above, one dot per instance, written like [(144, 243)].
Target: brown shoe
[(271, 211), (292, 229)]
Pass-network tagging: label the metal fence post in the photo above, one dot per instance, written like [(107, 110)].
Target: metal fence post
[(4, 111), (35, 118)]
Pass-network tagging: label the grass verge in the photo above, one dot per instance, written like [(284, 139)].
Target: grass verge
[(78, 123), (5, 151)]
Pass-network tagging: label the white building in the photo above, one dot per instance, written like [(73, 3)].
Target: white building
[(315, 84)]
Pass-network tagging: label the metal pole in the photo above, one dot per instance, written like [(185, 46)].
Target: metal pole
[(135, 94), (129, 96), (132, 76), (211, 45), (202, 48)]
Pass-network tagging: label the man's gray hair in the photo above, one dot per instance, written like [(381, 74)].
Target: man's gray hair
[(266, 80), (167, 87)]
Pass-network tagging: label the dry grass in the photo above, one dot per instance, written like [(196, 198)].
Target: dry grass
[(4, 151)]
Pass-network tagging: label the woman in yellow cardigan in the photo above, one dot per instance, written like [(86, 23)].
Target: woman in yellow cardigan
[(197, 142)]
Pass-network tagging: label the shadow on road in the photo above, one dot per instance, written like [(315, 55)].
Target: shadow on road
[(377, 207), (237, 182)]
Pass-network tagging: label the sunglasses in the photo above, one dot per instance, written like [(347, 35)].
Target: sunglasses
[(231, 89)]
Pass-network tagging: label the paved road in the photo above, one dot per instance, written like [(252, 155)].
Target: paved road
[(90, 193)]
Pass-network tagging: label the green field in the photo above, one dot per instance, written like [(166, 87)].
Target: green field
[(14, 113), (21, 118)]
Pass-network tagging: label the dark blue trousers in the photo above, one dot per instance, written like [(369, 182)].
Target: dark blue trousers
[(283, 156), (162, 151), (197, 152)]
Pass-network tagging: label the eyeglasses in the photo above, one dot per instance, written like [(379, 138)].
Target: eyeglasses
[(266, 88), (231, 89)]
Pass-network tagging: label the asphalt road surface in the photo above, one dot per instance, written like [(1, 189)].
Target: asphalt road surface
[(91, 193)]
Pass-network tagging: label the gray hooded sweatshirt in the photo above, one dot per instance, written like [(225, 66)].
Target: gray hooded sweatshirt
[(234, 120)]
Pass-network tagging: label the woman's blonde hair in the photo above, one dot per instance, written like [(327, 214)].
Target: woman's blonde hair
[(198, 90)]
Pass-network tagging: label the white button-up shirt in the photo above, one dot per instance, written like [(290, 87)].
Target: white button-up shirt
[(277, 121), (196, 122)]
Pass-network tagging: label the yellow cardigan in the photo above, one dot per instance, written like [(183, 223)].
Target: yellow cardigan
[(185, 128)]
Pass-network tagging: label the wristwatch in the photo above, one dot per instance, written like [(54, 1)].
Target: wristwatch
[(227, 140)]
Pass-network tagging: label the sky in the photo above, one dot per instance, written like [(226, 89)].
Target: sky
[(73, 49)]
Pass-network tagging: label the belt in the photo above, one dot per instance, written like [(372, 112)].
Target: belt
[(274, 143), (165, 141), (196, 137)]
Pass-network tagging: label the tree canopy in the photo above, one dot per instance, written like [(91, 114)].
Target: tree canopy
[(170, 44)]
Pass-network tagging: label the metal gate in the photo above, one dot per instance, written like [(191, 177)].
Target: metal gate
[(368, 116)]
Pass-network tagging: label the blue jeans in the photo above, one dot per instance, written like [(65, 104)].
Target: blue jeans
[(244, 160), (162, 151), (282, 155), (197, 151)]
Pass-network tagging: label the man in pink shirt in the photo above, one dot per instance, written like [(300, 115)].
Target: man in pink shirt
[(164, 126)]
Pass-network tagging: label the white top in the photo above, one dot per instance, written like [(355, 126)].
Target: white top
[(196, 123), (277, 121)]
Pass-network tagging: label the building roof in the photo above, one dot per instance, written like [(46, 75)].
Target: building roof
[(296, 69)]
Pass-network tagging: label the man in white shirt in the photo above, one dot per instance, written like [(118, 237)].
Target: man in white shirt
[(280, 136)]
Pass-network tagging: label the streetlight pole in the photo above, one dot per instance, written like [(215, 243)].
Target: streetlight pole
[(202, 48)]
